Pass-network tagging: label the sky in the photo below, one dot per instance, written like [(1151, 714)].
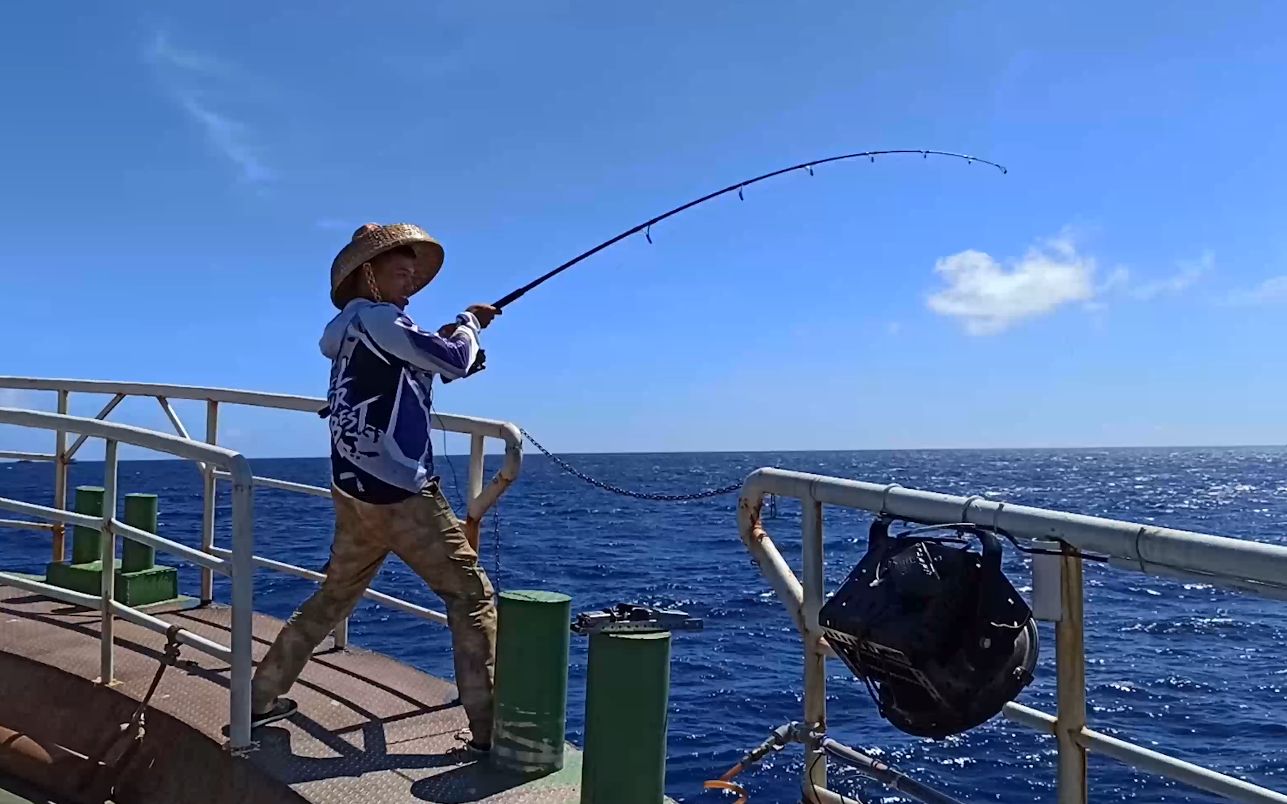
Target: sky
[(178, 177)]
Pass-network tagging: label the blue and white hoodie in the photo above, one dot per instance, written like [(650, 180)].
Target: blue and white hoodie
[(382, 368)]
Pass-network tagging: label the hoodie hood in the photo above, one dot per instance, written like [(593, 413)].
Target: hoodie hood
[(333, 335)]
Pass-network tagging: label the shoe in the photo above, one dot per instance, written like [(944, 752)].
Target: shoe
[(471, 745), (281, 709)]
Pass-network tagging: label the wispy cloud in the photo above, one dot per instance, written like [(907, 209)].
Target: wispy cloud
[(1271, 291), (194, 79), (987, 297), (1188, 273)]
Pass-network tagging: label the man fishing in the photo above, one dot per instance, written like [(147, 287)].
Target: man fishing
[(387, 498)]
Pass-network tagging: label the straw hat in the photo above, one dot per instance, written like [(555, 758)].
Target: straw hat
[(372, 239)]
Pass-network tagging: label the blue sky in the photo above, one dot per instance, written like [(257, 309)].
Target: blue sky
[(178, 177)]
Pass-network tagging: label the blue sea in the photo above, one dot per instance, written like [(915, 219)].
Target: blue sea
[(1183, 668)]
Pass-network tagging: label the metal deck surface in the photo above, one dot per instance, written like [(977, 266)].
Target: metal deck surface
[(368, 729)]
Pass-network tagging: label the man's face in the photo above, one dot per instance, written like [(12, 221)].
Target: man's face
[(394, 273)]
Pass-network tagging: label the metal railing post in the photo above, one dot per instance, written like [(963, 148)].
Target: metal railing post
[(815, 657), (107, 555), (208, 501), (1070, 659), (60, 480), (243, 567), (475, 466)]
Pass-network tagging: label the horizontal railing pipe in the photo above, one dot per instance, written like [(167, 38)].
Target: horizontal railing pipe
[(183, 637), (26, 524), (184, 552), (370, 594), (27, 456)]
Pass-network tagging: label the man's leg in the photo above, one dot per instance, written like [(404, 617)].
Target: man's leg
[(427, 536), (356, 555)]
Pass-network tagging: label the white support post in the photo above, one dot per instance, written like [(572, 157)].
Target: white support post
[(815, 657), (208, 501), (475, 466), (107, 557), (60, 480), (243, 568)]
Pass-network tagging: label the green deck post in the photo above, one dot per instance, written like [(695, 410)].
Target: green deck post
[(626, 691), (531, 681), (140, 511), (86, 541)]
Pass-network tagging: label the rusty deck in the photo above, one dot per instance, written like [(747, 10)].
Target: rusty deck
[(368, 729)]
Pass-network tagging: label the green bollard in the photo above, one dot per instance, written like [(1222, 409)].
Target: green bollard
[(531, 681), (140, 511), (86, 542), (626, 691)]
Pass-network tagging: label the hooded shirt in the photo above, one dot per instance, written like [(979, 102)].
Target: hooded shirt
[(380, 396)]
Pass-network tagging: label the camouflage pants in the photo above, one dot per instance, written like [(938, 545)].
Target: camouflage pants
[(424, 533)]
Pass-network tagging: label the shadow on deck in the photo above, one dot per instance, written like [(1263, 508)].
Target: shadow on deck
[(368, 729)]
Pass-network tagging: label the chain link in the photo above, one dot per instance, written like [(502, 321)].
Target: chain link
[(638, 495)]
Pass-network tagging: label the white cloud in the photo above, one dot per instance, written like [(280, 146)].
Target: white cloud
[(1271, 291), (191, 76), (1190, 271), (987, 297)]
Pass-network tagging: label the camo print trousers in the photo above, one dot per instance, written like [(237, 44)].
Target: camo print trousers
[(425, 534)]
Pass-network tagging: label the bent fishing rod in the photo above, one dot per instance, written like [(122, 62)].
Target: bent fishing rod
[(646, 226)]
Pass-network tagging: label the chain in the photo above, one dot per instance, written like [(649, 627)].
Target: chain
[(638, 495)]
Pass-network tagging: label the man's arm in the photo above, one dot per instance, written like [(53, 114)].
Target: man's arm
[(397, 334)]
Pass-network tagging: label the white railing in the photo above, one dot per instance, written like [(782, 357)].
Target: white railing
[(1239, 564), (480, 498), (210, 557), (238, 564)]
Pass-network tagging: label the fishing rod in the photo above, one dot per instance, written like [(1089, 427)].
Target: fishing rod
[(647, 225)]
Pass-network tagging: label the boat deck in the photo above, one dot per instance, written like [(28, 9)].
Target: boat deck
[(368, 728)]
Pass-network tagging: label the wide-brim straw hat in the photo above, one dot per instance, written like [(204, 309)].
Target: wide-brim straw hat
[(371, 240)]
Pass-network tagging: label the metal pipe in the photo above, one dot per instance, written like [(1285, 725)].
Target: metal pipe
[(243, 570), (138, 436), (43, 457), (46, 512), (156, 542), (182, 431), (1032, 718), (159, 626), (369, 594), (476, 443), (891, 778), (1179, 770), (1233, 558), (102, 414), (26, 525), (107, 555), (772, 566), (1070, 660), (48, 590), (208, 502), (815, 659), (59, 550), (284, 485)]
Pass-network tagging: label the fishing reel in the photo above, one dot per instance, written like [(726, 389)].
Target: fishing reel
[(935, 630)]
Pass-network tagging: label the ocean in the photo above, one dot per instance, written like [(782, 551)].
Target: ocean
[(1184, 668)]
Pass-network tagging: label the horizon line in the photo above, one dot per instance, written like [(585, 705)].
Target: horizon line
[(465, 456)]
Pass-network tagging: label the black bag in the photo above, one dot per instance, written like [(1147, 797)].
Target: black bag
[(936, 628)]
